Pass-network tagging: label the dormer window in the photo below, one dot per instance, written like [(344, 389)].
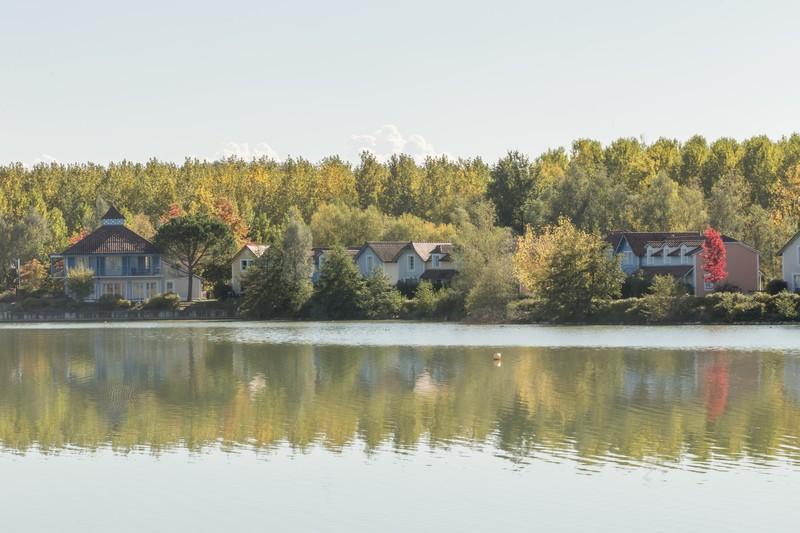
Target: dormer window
[(435, 260)]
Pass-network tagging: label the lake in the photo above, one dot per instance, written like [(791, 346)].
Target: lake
[(391, 426)]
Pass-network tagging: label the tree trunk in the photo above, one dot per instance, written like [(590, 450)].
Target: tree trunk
[(191, 279)]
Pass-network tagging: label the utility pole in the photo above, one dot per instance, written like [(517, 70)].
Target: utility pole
[(19, 277)]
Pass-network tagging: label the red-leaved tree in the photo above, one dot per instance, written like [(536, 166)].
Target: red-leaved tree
[(715, 258), (77, 237)]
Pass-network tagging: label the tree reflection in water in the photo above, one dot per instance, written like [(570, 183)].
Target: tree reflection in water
[(181, 388)]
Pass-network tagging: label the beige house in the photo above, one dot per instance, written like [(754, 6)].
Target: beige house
[(790, 263), (243, 260)]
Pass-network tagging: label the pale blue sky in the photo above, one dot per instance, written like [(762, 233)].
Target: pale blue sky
[(96, 80)]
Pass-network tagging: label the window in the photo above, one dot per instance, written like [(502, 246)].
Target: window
[(113, 288), (627, 258), (708, 285), (435, 260), (170, 286), (370, 264), (143, 264), (798, 254), (113, 265), (143, 290), (411, 264), (245, 264)]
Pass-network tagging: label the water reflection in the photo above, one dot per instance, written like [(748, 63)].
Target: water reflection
[(191, 388)]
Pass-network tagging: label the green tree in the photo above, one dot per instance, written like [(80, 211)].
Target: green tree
[(666, 299), (485, 283), (509, 188), (590, 199), (340, 290), (627, 161), (263, 289), (727, 205), (296, 264), (694, 155), (667, 206), (279, 283), (380, 298), (193, 241), (402, 183), (567, 269), (370, 180)]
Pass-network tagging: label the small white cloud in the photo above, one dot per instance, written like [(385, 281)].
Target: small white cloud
[(45, 158), (389, 140), (246, 152)]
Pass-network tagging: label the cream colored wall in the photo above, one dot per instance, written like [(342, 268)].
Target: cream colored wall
[(236, 268)]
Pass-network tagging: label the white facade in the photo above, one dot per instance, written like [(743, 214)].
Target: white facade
[(790, 263)]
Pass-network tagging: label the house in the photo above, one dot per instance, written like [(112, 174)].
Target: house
[(408, 261), (790, 263), (401, 261), (318, 257), (243, 260), (678, 255), (124, 263)]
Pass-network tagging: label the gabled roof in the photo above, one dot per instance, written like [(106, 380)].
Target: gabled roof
[(639, 240), (788, 243), (256, 248), (389, 251), (111, 240), (317, 251), (385, 250)]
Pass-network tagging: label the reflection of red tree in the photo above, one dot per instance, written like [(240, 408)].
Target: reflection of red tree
[(715, 388)]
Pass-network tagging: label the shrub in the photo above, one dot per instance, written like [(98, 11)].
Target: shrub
[(667, 302), (113, 301), (636, 285), (167, 302), (381, 299), (408, 287), (784, 306), (424, 305), (622, 311), (748, 310), (340, 290), (80, 283), (776, 286), (33, 304)]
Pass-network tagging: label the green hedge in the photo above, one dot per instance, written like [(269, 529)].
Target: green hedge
[(721, 307)]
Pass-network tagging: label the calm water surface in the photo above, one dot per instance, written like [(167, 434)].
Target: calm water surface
[(398, 427)]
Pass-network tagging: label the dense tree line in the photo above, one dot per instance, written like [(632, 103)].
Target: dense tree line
[(749, 190)]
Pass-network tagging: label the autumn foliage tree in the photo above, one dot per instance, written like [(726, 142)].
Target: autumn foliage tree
[(715, 258)]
